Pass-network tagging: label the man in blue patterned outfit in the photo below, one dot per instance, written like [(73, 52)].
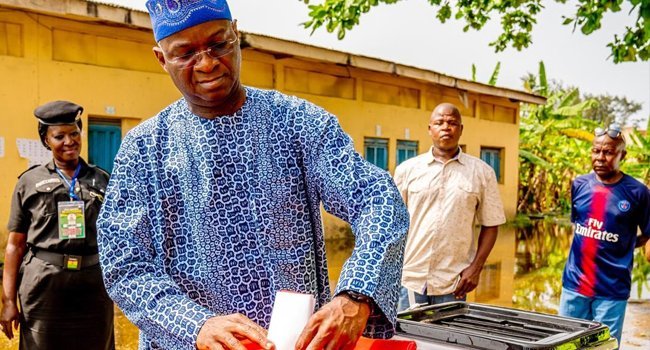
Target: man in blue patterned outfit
[(214, 205)]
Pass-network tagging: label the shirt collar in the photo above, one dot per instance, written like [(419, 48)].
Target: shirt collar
[(460, 157), (84, 165)]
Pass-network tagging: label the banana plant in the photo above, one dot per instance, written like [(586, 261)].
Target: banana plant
[(553, 146), (637, 160), (640, 272), (493, 77)]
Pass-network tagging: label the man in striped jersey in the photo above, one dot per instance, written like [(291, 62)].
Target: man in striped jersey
[(607, 209)]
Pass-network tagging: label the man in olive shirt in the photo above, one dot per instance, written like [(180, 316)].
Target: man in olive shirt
[(446, 192)]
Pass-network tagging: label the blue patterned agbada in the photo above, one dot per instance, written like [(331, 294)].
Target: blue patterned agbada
[(212, 217)]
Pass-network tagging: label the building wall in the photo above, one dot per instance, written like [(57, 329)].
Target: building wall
[(111, 71)]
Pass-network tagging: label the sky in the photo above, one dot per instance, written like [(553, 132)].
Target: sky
[(408, 33)]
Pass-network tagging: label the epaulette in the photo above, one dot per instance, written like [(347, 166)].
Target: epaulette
[(30, 168)]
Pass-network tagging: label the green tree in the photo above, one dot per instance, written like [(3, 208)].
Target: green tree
[(553, 146), (517, 20), (609, 108), (612, 109), (637, 160)]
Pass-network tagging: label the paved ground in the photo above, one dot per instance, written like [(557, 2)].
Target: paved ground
[(636, 330)]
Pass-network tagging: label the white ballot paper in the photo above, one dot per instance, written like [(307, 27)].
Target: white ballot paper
[(291, 311)]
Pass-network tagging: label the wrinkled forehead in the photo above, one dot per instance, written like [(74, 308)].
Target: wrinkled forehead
[(445, 113), (606, 142)]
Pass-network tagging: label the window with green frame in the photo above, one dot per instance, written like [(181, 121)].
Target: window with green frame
[(405, 150), (104, 139), (493, 156), (376, 151)]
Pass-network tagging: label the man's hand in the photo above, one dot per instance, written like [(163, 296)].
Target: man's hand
[(468, 280), (9, 318), (224, 332), (336, 326), (470, 275)]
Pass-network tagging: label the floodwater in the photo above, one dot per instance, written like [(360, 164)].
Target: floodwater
[(524, 271)]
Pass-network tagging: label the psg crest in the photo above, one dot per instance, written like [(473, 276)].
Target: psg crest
[(624, 205)]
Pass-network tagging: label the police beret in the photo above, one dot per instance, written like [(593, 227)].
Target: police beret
[(58, 113)]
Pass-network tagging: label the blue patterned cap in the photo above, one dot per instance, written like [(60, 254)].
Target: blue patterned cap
[(171, 16)]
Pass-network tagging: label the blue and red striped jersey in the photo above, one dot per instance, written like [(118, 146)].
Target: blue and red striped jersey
[(606, 219)]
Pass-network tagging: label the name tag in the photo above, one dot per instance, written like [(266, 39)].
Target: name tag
[(71, 220), (47, 181)]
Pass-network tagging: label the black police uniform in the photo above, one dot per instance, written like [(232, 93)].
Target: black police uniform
[(62, 309), (64, 306)]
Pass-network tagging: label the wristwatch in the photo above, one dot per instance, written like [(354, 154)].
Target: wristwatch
[(375, 311), (359, 298)]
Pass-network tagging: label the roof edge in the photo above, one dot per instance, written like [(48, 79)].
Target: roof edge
[(287, 47), (102, 12), (85, 9)]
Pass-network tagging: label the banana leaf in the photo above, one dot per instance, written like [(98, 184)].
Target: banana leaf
[(531, 157)]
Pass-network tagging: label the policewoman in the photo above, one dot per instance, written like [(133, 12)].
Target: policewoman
[(51, 262)]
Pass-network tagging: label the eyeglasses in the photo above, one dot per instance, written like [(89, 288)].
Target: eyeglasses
[(613, 131), (214, 51)]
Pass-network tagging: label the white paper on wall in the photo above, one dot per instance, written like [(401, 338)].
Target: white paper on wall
[(2, 146), (33, 151)]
